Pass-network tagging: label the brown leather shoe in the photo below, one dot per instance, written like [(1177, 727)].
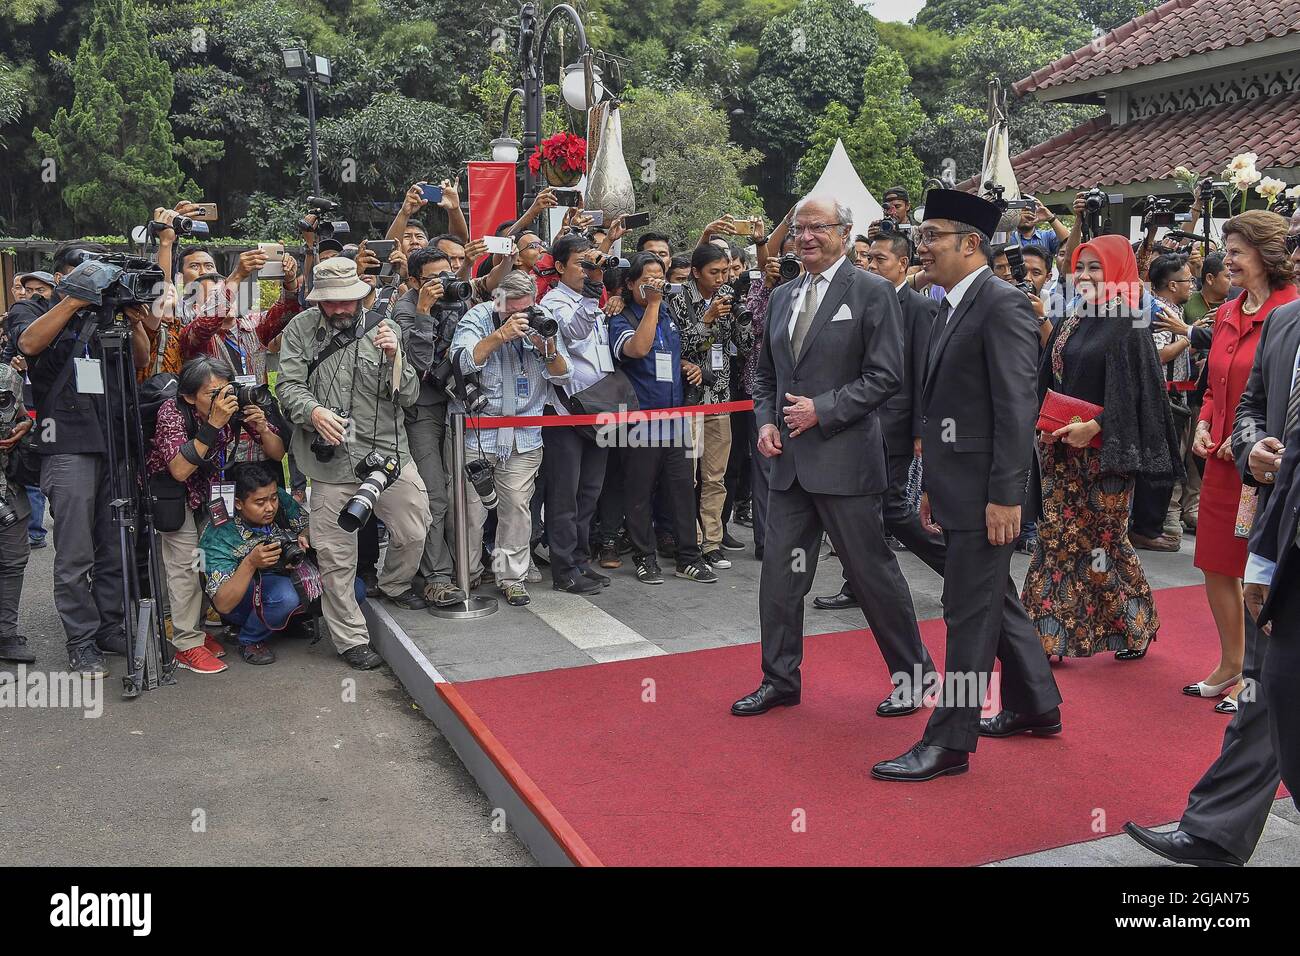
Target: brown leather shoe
[(1162, 543)]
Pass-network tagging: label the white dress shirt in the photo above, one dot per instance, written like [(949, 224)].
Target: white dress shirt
[(823, 280), (958, 292), (583, 329)]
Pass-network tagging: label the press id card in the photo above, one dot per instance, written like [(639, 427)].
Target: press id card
[(717, 358), (521, 387), (663, 367), (90, 376)]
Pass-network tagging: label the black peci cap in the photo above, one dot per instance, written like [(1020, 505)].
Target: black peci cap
[(958, 206)]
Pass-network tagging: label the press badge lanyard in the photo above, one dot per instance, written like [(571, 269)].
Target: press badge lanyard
[(236, 349), (222, 491)]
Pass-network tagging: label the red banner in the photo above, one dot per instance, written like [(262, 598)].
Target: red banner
[(491, 197)]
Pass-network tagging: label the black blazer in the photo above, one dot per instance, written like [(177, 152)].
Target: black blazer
[(979, 404), (852, 362), (1274, 534), (900, 418), (1261, 413)]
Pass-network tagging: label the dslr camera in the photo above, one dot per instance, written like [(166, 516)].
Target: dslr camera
[(540, 322), (322, 449), (259, 395), (324, 228), (453, 289), (1016, 260), (377, 472), (791, 265), (292, 553), (738, 310)]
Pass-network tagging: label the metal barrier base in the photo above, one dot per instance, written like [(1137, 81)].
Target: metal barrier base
[(474, 607)]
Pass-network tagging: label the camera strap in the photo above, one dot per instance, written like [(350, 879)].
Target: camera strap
[(342, 340)]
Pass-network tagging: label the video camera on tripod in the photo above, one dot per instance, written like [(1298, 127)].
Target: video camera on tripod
[(112, 281), (324, 228)]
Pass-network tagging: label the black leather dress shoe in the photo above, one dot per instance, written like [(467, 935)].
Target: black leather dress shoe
[(1007, 723), (763, 700), (1181, 847), (577, 584), (601, 579), (923, 762), (894, 707), (836, 602)]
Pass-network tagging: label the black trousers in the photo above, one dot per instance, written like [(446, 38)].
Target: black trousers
[(985, 619), (737, 477), (795, 521), (368, 547), (904, 523), (1281, 685), (1230, 803), (1150, 505), (663, 473), (609, 510), (575, 472), (760, 469)]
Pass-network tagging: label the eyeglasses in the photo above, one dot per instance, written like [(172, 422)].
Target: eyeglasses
[(926, 236), (535, 245), (816, 228)]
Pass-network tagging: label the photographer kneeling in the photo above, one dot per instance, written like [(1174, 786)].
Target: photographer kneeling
[(503, 345), (254, 558), (192, 476), (338, 366)]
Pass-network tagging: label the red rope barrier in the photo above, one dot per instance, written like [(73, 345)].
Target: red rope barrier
[(605, 418)]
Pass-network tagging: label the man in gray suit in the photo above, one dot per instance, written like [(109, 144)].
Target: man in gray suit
[(1229, 805), (832, 356), (978, 408)]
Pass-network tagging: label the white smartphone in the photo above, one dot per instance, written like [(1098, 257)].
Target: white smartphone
[(274, 268), (499, 245)]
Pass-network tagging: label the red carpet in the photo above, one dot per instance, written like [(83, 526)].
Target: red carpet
[(681, 782)]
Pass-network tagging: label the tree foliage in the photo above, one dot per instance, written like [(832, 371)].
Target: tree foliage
[(684, 170), (113, 151)]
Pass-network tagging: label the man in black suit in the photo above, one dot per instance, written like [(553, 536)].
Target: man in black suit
[(1229, 805), (832, 354), (900, 418), (978, 408)]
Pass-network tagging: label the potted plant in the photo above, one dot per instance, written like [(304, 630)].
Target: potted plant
[(561, 158)]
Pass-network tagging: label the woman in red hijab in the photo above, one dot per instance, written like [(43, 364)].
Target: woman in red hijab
[(1256, 256), (1085, 590)]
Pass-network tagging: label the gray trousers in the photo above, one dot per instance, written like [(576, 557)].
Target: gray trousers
[(795, 521), (1230, 803), (425, 427), (14, 549), (87, 556)]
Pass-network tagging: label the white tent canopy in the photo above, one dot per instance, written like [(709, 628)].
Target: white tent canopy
[(841, 182)]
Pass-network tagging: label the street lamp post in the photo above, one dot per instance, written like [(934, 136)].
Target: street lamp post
[(532, 48), (302, 65)]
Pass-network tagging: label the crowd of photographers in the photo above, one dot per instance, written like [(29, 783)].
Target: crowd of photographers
[(282, 447)]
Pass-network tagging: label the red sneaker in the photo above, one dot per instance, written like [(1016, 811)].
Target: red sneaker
[(213, 646), (200, 661)]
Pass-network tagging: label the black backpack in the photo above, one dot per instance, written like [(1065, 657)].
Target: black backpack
[(155, 391)]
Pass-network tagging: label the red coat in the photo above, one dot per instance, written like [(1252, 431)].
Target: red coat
[(1232, 353)]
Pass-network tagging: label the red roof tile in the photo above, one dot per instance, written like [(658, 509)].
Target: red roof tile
[(1175, 29), (1203, 140)]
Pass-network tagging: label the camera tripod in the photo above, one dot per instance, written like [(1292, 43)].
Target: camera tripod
[(132, 509)]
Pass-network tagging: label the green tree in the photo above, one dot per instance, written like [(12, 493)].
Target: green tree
[(809, 58), (927, 53), (876, 139), (113, 151), (685, 171)]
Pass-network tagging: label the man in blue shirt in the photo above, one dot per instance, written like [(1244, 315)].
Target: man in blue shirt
[(515, 364), (1039, 227), (648, 346)]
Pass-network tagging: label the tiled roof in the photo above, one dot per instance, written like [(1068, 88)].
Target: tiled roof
[(1203, 140), (1174, 29)]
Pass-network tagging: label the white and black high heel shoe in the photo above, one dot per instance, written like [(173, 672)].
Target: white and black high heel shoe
[(1202, 689)]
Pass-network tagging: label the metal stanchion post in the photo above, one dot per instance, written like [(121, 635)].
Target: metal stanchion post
[(473, 606)]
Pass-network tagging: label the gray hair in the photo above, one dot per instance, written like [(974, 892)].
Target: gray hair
[(517, 284), (197, 371), (842, 212)]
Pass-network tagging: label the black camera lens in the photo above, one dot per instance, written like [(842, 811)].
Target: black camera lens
[(453, 289), (377, 473), (790, 267), (541, 323), (482, 476), (6, 399), (253, 394), (7, 514)]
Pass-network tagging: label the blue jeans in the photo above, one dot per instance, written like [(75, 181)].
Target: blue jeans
[(279, 602), (36, 529)]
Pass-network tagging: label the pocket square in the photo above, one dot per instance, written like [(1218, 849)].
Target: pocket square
[(842, 314)]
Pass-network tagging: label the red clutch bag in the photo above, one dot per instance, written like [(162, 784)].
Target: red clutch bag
[(1060, 410)]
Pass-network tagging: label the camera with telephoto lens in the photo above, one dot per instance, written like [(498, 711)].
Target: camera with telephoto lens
[(482, 476), (259, 395), (540, 322), (324, 228), (377, 472), (790, 265), (292, 553), (738, 310), (322, 449)]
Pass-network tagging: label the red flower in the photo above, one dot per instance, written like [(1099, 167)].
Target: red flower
[(563, 150)]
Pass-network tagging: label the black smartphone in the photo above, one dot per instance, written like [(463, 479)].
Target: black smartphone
[(568, 197), (636, 220), (432, 194), (383, 248)]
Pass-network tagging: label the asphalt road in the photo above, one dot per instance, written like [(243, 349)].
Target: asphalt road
[(258, 765)]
